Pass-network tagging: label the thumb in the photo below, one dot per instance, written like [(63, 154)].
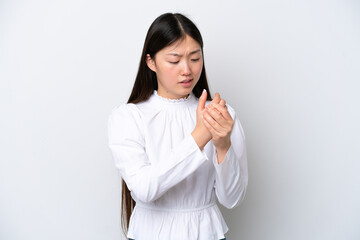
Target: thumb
[(202, 100)]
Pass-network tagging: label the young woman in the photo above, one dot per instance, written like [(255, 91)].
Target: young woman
[(177, 149)]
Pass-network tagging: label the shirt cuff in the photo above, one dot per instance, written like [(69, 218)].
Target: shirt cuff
[(223, 167), (198, 151)]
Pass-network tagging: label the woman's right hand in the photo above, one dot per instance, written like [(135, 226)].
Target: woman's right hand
[(200, 133)]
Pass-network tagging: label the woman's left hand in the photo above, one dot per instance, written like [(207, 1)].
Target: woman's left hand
[(220, 123)]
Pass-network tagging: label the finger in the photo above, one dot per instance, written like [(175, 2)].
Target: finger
[(222, 102), (216, 130), (211, 129), (220, 130), (213, 122), (216, 115), (215, 133), (223, 110), (216, 99), (202, 100)]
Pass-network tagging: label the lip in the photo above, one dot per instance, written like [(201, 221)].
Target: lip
[(186, 80), (186, 83)]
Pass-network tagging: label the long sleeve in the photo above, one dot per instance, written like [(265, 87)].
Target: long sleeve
[(232, 174), (146, 180)]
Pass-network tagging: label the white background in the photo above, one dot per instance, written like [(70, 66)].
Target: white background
[(289, 68)]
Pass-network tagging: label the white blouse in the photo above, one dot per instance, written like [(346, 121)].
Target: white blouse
[(174, 183)]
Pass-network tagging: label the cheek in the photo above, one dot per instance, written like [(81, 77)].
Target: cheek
[(198, 68), (166, 71)]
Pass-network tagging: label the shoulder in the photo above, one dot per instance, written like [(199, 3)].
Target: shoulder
[(124, 115), (124, 110), (124, 122)]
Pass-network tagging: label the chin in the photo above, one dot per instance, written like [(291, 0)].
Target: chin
[(183, 94), (187, 91)]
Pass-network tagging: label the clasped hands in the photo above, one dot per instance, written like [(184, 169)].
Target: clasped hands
[(213, 122)]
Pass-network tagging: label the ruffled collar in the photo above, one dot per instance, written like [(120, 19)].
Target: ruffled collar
[(168, 100)]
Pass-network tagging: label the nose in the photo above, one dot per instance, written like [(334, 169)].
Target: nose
[(186, 69)]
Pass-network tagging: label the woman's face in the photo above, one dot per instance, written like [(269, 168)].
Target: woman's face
[(178, 68)]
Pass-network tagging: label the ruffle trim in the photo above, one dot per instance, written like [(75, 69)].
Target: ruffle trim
[(168, 100)]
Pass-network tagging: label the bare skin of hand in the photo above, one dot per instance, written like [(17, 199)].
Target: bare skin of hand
[(219, 123), (201, 134)]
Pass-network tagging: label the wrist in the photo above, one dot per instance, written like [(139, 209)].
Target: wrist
[(221, 153), (223, 148), (199, 138)]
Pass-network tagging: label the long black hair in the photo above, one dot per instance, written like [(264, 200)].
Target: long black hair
[(164, 31)]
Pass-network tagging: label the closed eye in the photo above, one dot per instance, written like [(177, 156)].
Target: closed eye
[(174, 62), (195, 60)]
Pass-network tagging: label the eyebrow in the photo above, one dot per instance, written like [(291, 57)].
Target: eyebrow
[(179, 55)]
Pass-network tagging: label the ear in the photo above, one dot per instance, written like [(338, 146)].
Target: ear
[(150, 63)]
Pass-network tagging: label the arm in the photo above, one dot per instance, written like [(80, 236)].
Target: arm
[(232, 174), (230, 154), (148, 181)]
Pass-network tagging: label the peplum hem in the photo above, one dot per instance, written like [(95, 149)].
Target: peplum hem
[(203, 223)]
